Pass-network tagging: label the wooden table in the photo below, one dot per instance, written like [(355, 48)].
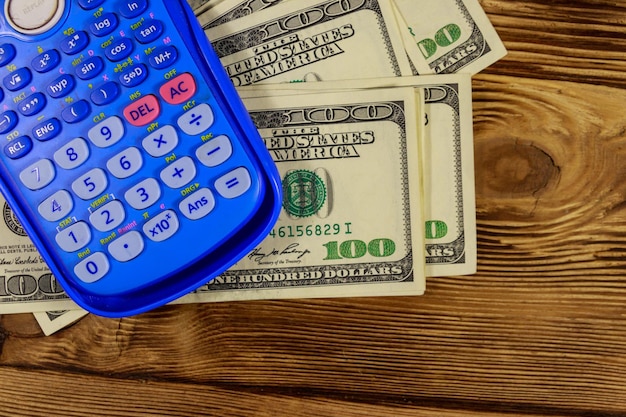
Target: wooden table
[(540, 330)]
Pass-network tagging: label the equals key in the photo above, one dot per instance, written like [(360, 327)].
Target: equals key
[(197, 120)]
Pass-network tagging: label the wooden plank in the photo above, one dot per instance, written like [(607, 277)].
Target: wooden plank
[(581, 41), (45, 393)]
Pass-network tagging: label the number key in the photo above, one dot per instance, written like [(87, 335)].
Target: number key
[(93, 268), (108, 217), (57, 206), (107, 133), (91, 184), (73, 154), (38, 175), (144, 194), (74, 237), (125, 163)]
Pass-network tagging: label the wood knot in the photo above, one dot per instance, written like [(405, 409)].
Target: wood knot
[(511, 169)]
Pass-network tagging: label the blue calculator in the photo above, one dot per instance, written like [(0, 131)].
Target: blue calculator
[(126, 152)]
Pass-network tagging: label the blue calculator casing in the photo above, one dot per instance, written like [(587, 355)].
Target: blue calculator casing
[(127, 154)]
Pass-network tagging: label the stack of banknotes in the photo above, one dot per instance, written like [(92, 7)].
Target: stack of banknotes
[(366, 107)]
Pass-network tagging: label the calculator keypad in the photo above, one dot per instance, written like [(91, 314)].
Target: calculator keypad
[(116, 139)]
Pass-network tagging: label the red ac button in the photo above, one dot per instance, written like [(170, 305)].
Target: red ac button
[(178, 90)]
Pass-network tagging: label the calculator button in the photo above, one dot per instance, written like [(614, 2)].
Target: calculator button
[(104, 25), (215, 152), (46, 61), (161, 142), (143, 111), (127, 247), (7, 53), (34, 18), (119, 50), (90, 4), (107, 133), (38, 175), (19, 147), (196, 120), (105, 94), (150, 33), (92, 268), (32, 104), (179, 173), (125, 163), (133, 8), (163, 57), (108, 217), (234, 184), (76, 112), (62, 86), (178, 90), (47, 130), (91, 184), (18, 79), (8, 120), (144, 194), (74, 237), (57, 206), (75, 43), (198, 204), (91, 68), (134, 76), (73, 154), (162, 227)]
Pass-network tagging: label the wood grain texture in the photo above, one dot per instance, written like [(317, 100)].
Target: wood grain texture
[(540, 330), (580, 41)]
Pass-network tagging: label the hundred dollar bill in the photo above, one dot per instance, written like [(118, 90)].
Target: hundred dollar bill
[(26, 282), (351, 222), (200, 6), (228, 10), (312, 39), (53, 321), (448, 161), (448, 36)]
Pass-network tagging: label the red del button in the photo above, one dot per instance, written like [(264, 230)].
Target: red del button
[(143, 111), (179, 89)]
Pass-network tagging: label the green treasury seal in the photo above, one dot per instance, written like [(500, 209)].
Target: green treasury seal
[(304, 193)]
